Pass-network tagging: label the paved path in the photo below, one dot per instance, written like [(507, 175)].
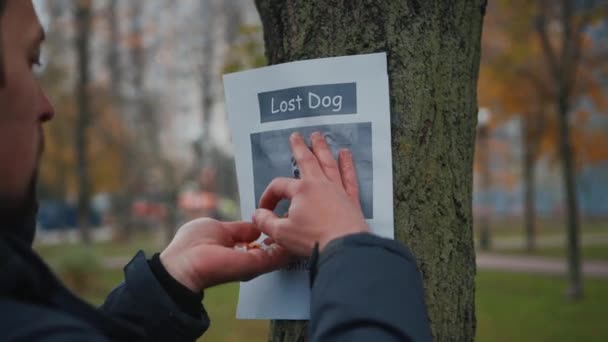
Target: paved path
[(538, 265), (486, 261)]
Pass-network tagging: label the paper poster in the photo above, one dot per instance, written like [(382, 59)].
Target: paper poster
[(344, 98)]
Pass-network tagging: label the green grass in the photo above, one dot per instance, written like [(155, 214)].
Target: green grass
[(544, 227), (510, 307), (548, 229), (220, 303), (147, 242), (516, 307), (107, 281), (589, 253)]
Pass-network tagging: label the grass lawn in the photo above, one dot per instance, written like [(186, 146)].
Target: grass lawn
[(510, 307), (544, 227), (220, 303), (148, 242), (588, 253), (512, 231), (517, 307)]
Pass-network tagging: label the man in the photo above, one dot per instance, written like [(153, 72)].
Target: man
[(378, 294)]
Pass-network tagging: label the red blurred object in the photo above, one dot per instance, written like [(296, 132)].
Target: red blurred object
[(148, 210), (198, 201)]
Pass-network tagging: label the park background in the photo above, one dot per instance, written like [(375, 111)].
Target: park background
[(140, 144)]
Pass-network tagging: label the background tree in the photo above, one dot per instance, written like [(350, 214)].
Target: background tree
[(83, 33), (124, 197), (57, 170), (247, 52), (515, 83), (433, 50), (211, 12), (105, 134), (483, 160), (142, 81), (511, 85), (563, 52), (158, 174), (563, 63)]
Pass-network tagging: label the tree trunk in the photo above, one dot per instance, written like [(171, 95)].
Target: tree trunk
[(563, 64), (433, 50), (124, 197), (575, 288), (172, 219), (529, 161), (483, 137), (566, 78), (113, 58), (211, 11), (83, 32)]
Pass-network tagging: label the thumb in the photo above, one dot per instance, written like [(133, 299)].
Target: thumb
[(267, 221)]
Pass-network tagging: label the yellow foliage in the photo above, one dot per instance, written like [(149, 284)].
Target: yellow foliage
[(514, 80), (107, 138)]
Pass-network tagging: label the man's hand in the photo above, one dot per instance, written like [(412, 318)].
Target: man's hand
[(324, 202), (202, 254)]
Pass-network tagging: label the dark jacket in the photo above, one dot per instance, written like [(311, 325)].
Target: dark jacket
[(34, 306), (364, 289)]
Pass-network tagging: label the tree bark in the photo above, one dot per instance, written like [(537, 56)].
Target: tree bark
[(124, 197), (483, 137), (565, 81), (563, 71), (529, 161), (575, 288), (83, 32), (433, 50), (210, 11)]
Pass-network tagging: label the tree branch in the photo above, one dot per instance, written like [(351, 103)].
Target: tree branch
[(574, 56), (548, 50)]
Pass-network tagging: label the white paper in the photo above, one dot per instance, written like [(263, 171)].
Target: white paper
[(345, 98)]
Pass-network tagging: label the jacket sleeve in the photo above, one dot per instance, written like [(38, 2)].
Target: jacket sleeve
[(366, 288), (21, 321), (142, 301)]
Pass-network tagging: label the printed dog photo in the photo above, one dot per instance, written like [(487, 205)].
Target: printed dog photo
[(272, 157)]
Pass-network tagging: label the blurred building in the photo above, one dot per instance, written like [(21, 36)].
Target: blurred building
[(506, 193)]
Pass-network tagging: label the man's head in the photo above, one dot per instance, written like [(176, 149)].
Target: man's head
[(23, 109)]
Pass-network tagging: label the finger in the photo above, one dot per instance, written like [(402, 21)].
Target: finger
[(278, 189), (255, 262), (271, 258), (242, 231), (325, 157), (268, 222), (306, 160), (349, 175)]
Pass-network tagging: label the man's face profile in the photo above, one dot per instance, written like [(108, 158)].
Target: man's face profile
[(23, 109)]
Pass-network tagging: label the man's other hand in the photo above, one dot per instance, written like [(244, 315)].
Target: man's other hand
[(202, 254), (324, 201)]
